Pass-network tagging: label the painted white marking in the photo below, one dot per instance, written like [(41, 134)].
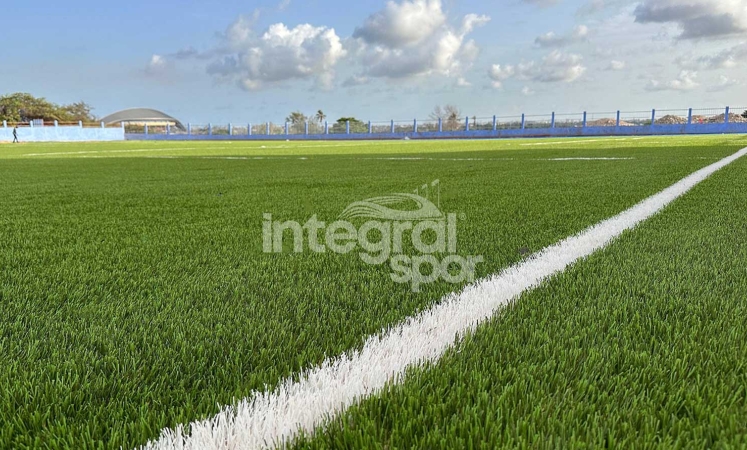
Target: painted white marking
[(366, 144), (303, 158), (587, 159), (503, 159), (131, 150), (272, 417), (582, 141), (423, 158), (562, 142), (167, 149)]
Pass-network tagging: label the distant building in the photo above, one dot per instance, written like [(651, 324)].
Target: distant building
[(142, 117)]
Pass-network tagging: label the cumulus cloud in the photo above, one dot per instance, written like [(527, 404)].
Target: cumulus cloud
[(414, 38), (723, 84), (527, 91), (499, 74), (304, 52), (685, 81), (401, 24), (241, 32), (697, 18), (553, 68), (157, 63), (616, 65), (463, 82), (406, 38), (557, 67), (552, 40), (725, 59)]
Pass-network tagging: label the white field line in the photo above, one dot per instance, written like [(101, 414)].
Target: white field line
[(167, 149), (284, 146), (424, 158), (581, 141), (357, 144), (272, 417), (588, 159), (303, 158), (582, 158), (251, 158), (131, 150), (563, 142)]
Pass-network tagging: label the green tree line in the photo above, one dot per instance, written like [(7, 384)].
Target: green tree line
[(23, 107), (450, 115)]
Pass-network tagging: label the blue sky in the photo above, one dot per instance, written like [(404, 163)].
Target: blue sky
[(240, 61)]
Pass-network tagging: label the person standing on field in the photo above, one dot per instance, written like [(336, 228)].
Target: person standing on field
[(15, 134)]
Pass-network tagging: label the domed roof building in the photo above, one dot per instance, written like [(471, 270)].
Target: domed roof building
[(140, 117)]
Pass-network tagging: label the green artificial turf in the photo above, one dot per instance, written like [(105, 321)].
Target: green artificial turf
[(642, 345), (134, 294)]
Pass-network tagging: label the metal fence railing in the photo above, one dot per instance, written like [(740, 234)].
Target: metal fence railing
[(474, 123), (601, 119), (434, 125), (538, 121), (672, 117)]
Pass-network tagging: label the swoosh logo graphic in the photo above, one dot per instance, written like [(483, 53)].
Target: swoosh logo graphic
[(382, 208)]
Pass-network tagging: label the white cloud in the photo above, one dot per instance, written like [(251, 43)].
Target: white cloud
[(725, 59), (554, 68), (304, 52), (414, 38), (527, 91), (499, 74), (697, 18), (472, 21), (462, 82), (401, 24), (685, 81), (552, 40), (723, 84), (158, 66), (240, 33), (616, 65), (157, 62), (558, 67), (407, 38)]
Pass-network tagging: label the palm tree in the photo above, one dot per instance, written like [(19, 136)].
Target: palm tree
[(296, 118), (320, 117)]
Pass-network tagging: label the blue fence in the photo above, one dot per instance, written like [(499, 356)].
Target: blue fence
[(61, 133), (622, 123)]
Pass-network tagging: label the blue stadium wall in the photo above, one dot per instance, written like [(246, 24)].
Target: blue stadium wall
[(647, 130), (62, 134), (78, 134)]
